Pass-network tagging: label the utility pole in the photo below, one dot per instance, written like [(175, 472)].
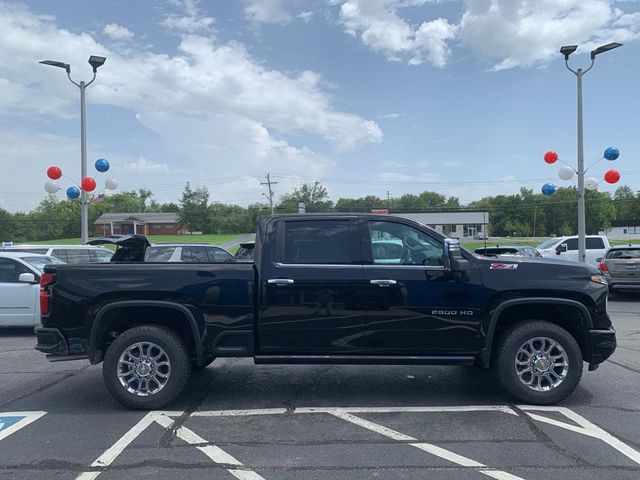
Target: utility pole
[(270, 194), (534, 220), (388, 201)]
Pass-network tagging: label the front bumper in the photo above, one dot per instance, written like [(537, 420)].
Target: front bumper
[(602, 343)]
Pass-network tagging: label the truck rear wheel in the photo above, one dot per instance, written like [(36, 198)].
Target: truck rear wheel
[(539, 362), (146, 367)]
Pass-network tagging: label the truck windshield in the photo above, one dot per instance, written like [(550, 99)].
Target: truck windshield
[(548, 243)]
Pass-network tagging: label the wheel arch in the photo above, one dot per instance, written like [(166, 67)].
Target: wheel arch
[(123, 315), (570, 314)]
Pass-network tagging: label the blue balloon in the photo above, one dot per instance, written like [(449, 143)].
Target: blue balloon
[(102, 165), (611, 153), (73, 193), (548, 189)]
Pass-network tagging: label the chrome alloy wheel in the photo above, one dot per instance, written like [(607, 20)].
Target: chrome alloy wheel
[(541, 364), (144, 369)]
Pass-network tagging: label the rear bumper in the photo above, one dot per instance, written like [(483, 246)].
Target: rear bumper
[(602, 343), (51, 341)]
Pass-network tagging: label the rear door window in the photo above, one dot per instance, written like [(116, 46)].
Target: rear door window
[(595, 244), (59, 253), (218, 255), (321, 242), (77, 255), (102, 255), (195, 254), (159, 254)]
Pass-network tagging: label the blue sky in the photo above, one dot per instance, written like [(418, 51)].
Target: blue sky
[(369, 96)]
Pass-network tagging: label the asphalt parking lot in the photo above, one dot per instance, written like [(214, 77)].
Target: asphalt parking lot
[(238, 420)]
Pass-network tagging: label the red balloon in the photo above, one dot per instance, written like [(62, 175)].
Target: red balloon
[(611, 176), (54, 173), (551, 157), (88, 184)]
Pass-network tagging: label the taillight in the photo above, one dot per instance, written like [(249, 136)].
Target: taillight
[(603, 267), (46, 279)]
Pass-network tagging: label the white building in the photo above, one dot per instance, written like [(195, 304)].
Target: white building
[(624, 230), (462, 223)]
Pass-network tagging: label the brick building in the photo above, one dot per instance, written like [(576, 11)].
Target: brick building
[(141, 223)]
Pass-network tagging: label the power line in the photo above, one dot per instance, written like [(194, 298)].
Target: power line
[(270, 194)]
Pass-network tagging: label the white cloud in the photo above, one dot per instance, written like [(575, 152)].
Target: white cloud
[(305, 16), (380, 27), (409, 178), (214, 107), (117, 32), (267, 11), (518, 33), (191, 21), (142, 165), (453, 163), (390, 116)]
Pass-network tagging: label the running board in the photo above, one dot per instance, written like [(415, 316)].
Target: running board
[(364, 360)]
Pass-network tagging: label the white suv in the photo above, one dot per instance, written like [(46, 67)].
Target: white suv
[(566, 248), (67, 253)]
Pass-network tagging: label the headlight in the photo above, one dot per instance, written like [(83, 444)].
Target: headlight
[(599, 279)]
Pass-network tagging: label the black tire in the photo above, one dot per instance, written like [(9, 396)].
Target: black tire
[(510, 343), (177, 355)]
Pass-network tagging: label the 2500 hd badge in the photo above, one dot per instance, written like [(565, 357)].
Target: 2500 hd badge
[(453, 313)]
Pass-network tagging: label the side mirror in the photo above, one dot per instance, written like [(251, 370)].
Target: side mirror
[(561, 248), (599, 259), (27, 278), (453, 259)]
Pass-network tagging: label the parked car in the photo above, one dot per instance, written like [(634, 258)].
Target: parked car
[(19, 286), (245, 252), (480, 236), (187, 252), (316, 294), (567, 248), (621, 267), (515, 250), (67, 253)]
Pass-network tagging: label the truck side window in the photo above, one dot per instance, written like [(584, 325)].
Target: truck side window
[(595, 244), (398, 244), (10, 270), (194, 254), (572, 244), (318, 242)]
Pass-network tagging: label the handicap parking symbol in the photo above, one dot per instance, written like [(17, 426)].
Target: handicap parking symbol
[(11, 422)]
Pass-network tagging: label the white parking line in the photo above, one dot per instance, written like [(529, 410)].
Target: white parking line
[(586, 428), (427, 447), (11, 422)]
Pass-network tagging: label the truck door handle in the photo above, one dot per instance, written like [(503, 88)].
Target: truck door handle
[(281, 282), (383, 282)]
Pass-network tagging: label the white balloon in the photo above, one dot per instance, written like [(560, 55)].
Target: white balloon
[(111, 184), (591, 183), (51, 187), (566, 172)]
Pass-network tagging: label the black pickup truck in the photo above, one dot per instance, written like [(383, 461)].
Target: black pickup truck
[(331, 288)]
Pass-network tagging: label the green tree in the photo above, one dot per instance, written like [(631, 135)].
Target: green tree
[(194, 209), (315, 198)]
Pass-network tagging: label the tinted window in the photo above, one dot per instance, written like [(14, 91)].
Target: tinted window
[(398, 244), (10, 270), (159, 254), (624, 253), (61, 254), (78, 255), (318, 242), (595, 243), (218, 255), (244, 253), (194, 255), (102, 255), (572, 244)]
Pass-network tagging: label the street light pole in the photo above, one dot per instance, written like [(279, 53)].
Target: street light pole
[(95, 63), (566, 51)]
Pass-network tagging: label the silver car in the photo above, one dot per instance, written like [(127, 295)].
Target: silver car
[(187, 252)]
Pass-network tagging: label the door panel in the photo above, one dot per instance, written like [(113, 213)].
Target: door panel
[(420, 310), (18, 300), (313, 292)]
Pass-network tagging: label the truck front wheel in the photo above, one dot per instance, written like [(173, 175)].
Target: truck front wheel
[(146, 367), (539, 362)]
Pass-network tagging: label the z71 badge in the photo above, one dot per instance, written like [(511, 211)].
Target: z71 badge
[(503, 266)]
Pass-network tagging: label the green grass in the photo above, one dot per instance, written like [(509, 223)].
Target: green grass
[(493, 243), (213, 239)]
